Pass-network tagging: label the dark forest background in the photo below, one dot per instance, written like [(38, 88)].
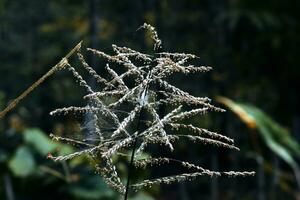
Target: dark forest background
[(252, 45)]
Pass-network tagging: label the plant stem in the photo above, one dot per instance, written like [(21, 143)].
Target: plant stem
[(60, 65), (130, 169), (143, 96)]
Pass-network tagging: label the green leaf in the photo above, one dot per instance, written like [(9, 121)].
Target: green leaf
[(43, 144), (22, 164), (275, 137), (272, 132), (40, 141), (64, 149)]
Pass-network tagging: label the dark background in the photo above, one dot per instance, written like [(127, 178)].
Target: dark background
[(252, 45)]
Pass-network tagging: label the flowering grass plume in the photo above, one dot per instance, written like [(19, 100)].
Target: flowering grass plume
[(124, 117), (125, 114)]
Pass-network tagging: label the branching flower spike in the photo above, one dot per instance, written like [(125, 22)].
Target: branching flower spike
[(124, 118)]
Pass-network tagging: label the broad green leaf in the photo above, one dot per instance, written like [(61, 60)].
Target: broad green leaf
[(22, 164), (43, 144), (39, 141), (64, 149)]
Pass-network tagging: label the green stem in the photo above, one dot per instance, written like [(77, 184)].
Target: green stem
[(130, 169)]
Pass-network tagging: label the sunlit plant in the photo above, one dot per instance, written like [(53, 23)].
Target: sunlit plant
[(124, 118)]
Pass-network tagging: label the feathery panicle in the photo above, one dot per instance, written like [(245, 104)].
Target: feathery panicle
[(125, 116)]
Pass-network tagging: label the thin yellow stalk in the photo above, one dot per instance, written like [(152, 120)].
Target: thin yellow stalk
[(60, 65)]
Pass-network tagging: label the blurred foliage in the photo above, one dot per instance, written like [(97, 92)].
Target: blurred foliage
[(43, 144), (275, 137), (29, 163), (22, 164)]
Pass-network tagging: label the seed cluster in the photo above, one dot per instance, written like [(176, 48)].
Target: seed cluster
[(135, 87)]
